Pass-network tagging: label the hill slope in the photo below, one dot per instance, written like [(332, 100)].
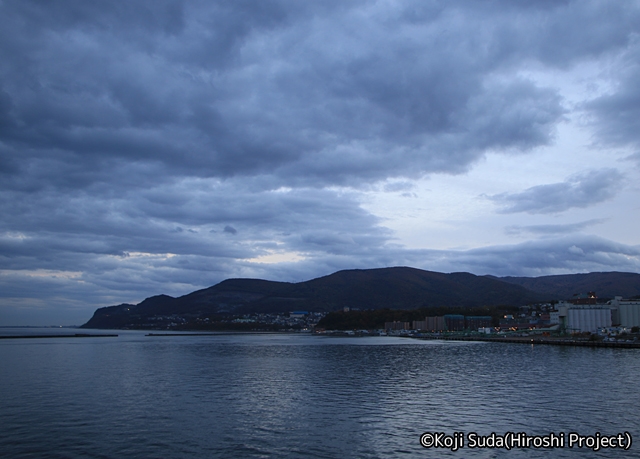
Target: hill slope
[(395, 288)]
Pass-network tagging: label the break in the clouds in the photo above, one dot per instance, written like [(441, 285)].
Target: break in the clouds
[(161, 146), (581, 190)]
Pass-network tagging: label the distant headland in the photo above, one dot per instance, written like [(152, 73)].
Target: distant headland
[(239, 304)]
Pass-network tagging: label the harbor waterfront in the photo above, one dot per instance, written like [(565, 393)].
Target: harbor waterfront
[(302, 395), (534, 339)]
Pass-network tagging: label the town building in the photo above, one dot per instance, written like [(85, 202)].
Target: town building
[(476, 322), (436, 323), (397, 325), (454, 322)]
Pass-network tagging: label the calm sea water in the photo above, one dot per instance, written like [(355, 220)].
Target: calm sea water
[(299, 396)]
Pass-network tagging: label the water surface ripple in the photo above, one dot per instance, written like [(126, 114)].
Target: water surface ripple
[(298, 396)]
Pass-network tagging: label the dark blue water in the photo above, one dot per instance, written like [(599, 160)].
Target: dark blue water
[(302, 396)]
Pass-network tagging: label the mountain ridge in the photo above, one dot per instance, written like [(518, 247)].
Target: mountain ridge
[(606, 284), (394, 288)]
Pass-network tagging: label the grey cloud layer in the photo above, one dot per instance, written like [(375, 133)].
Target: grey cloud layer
[(553, 230), (582, 190), (616, 114), (327, 94), (129, 279), (551, 256)]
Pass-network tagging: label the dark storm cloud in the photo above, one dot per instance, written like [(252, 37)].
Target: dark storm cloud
[(331, 94), (581, 190)]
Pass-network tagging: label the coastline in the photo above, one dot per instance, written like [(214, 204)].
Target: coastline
[(536, 340)]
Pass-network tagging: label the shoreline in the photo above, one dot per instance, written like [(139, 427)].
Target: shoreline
[(530, 340), (511, 340)]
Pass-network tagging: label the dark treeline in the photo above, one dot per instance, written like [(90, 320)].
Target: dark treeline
[(375, 319)]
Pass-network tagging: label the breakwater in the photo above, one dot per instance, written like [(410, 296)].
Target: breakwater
[(76, 335)]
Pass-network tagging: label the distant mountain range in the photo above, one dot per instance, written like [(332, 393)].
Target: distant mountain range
[(394, 288), (606, 285)]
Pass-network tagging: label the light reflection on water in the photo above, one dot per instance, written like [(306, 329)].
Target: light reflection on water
[(302, 396)]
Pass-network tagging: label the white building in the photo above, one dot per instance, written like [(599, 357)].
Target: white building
[(584, 318), (588, 319), (628, 311)]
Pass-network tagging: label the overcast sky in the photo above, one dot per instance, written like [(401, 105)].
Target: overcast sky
[(163, 146)]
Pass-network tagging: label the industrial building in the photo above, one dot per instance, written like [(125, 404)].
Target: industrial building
[(628, 311), (584, 318)]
